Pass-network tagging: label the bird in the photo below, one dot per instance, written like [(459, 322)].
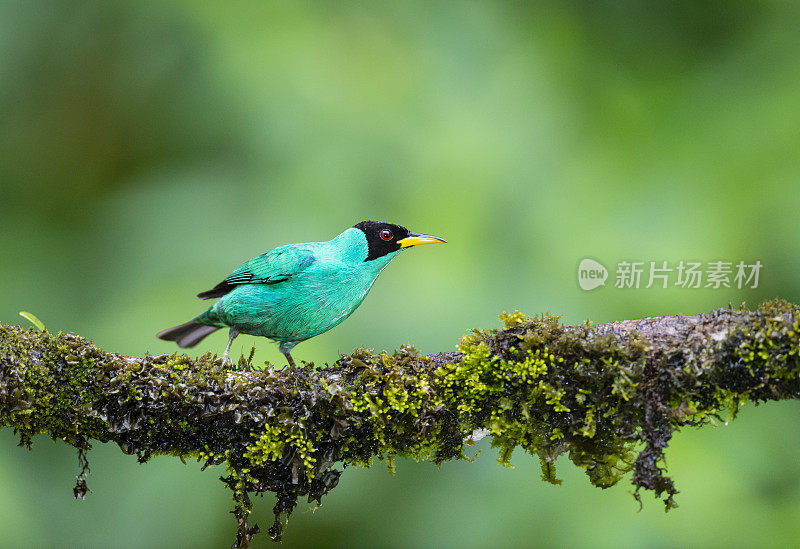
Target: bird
[(297, 291)]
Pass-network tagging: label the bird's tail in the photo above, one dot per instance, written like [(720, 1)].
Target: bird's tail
[(188, 334)]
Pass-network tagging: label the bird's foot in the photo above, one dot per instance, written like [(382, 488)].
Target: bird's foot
[(290, 360), (226, 360)]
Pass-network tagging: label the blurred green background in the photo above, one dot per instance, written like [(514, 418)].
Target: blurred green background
[(147, 149)]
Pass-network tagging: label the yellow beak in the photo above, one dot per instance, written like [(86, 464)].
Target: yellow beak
[(414, 239)]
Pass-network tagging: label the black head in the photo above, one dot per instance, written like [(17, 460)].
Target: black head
[(385, 238), (382, 238)]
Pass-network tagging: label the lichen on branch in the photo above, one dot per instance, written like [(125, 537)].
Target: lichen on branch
[(609, 396)]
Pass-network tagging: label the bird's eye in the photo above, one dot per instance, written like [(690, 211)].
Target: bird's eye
[(386, 234)]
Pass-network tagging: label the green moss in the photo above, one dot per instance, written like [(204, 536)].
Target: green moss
[(271, 443), (49, 390), (532, 386), (395, 408), (765, 357)]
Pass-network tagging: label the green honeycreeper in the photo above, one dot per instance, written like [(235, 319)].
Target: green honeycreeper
[(298, 291)]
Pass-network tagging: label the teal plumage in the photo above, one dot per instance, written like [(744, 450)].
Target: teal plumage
[(297, 291), (324, 282)]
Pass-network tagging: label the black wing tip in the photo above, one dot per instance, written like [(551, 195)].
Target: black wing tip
[(217, 291)]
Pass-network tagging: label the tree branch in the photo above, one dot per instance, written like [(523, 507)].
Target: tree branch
[(610, 396)]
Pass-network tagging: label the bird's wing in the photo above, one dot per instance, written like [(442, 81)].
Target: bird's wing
[(272, 267)]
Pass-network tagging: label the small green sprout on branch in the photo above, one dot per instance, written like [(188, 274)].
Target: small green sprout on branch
[(33, 319), (608, 396)]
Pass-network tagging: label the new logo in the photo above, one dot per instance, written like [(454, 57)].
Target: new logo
[(591, 274)]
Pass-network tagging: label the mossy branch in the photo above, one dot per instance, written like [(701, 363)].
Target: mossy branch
[(610, 396)]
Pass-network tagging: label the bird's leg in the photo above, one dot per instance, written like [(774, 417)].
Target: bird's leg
[(286, 348), (226, 357)]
